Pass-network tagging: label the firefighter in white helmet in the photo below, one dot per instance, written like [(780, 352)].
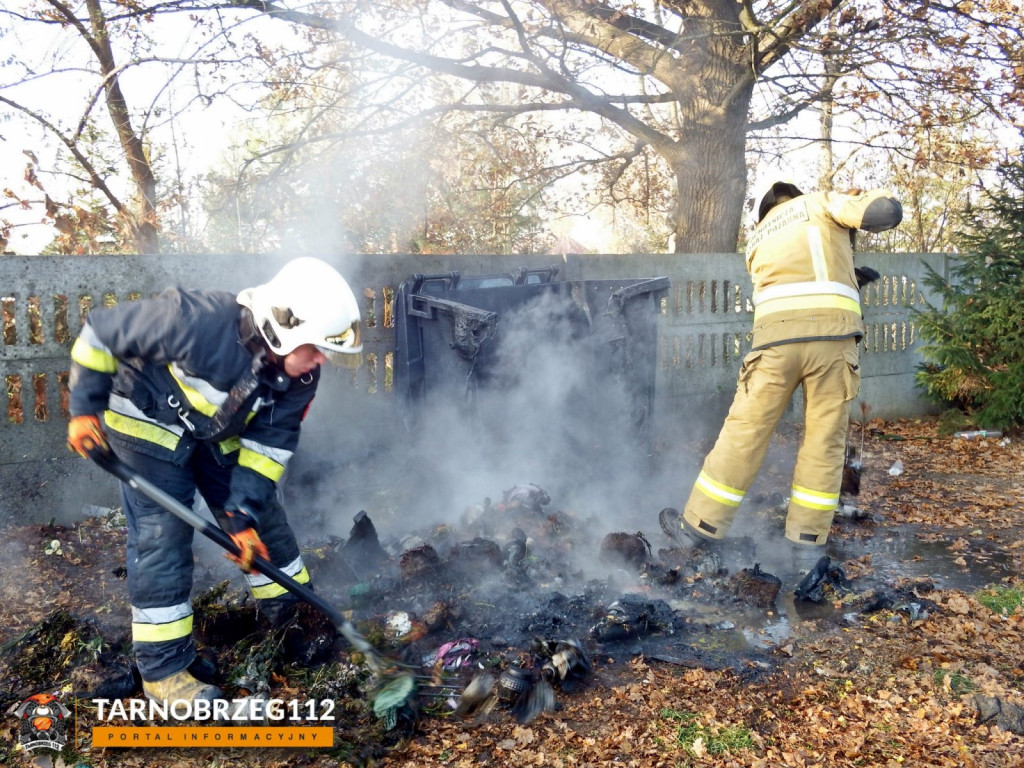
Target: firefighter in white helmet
[(205, 391), (807, 326)]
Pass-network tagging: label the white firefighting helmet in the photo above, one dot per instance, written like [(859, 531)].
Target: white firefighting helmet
[(306, 302)]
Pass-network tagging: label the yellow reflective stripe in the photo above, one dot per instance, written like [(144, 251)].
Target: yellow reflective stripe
[(92, 358), (723, 494), (817, 248), (294, 568), (270, 590), (280, 455), (155, 633), (275, 590), (194, 397), (230, 445), (144, 430), (806, 497), (813, 288), (792, 303), (260, 464)]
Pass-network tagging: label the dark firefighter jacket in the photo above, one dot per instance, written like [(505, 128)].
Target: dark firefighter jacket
[(185, 366), (800, 259)]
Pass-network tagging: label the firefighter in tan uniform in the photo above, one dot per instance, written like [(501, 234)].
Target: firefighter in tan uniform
[(807, 325)]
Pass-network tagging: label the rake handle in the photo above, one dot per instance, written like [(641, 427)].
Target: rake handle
[(112, 464)]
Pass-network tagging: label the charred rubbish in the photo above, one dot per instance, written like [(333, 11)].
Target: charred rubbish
[(630, 550), (514, 684), (426, 597), (362, 551), (823, 580), (633, 617), (448, 605), (527, 688), (528, 499), (693, 563), (453, 655), (565, 601), (756, 587), (515, 690), (906, 597), (567, 662), (478, 558), (420, 566)]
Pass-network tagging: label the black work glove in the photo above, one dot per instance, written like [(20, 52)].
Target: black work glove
[(865, 275)]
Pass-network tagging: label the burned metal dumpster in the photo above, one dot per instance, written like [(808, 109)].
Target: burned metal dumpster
[(526, 355)]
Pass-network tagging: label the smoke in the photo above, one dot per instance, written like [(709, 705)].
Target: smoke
[(559, 397), (546, 412), (554, 399)]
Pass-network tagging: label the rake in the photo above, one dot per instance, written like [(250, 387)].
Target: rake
[(399, 685)]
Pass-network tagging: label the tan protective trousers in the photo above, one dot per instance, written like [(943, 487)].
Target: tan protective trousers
[(829, 373)]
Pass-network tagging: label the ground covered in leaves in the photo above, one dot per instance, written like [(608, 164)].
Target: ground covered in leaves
[(927, 672)]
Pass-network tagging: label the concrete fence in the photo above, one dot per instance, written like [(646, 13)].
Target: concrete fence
[(703, 323)]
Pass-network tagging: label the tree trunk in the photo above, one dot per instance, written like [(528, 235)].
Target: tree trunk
[(141, 222), (711, 181), (713, 92)]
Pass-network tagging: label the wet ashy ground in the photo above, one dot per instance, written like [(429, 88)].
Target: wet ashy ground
[(498, 589)]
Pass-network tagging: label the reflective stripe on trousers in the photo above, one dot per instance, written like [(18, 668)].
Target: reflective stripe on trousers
[(263, 587), (829, 374)]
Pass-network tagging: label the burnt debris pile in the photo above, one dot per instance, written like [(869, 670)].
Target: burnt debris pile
[(511, 604), (503, 612)]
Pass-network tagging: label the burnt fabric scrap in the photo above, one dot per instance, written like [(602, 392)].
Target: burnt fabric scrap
[(824, 575)]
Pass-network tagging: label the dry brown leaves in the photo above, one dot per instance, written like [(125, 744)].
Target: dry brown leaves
[(878, 694)]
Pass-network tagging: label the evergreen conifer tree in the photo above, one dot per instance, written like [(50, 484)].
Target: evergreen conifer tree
[(975, 351)]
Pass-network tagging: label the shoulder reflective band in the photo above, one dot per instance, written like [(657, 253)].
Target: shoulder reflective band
[(90, 353), (200, 394)]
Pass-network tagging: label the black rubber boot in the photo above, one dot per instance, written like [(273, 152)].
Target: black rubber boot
[(675, 528)]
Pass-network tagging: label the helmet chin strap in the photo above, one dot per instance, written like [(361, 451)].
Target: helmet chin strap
[(251, 337), (247, 331), (273, 359), (253, 340)]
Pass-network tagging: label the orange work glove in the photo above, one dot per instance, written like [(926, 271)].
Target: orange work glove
[(85, 434), (240, 527)]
